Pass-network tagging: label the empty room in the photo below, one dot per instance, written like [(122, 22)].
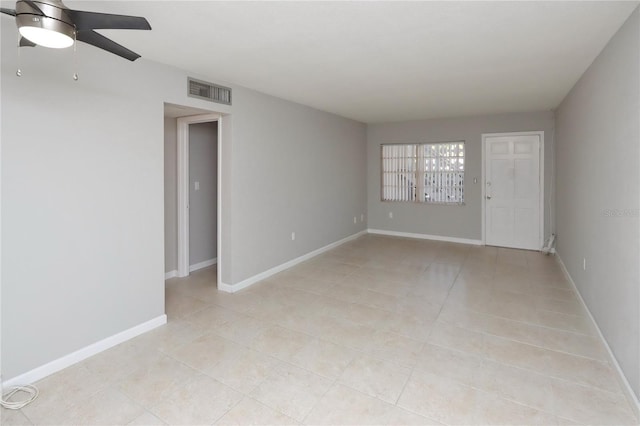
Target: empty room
[(319, 213)]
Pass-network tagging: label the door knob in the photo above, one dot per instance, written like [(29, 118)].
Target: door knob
[(488, 197)]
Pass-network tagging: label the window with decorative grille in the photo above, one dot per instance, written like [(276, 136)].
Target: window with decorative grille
[(426, 173)]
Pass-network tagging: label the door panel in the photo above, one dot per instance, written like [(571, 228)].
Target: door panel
[(523, 180), (512, 189)]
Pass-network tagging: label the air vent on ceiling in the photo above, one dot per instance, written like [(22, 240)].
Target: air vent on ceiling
[(209, 91)]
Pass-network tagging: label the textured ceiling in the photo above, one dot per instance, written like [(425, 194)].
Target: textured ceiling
[(382, 61)]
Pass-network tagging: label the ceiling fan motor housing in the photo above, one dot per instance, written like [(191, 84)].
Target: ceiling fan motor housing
[(55, 18)]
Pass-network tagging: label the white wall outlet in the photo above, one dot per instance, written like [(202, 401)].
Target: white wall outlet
[(584, 264), (293, 236), (355, 219), (362, 217), (196, 186), (390, 215)]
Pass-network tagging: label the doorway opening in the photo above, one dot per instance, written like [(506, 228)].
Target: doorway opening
[(513, 190), (192, 190)]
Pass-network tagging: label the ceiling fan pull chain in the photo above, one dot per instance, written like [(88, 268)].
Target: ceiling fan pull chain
[(19, 71), (75, 57)]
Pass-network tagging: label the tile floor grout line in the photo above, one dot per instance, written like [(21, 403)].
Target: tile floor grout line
[(529, 370), (486, 333)]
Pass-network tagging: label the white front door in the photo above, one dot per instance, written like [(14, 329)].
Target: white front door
[(512, 191)]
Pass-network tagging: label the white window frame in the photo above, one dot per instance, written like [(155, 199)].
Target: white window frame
[(413, 172)]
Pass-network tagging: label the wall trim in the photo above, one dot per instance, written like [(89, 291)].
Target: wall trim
[(232, 288), (541, 206), (425, 237), (170, 274), (183, 184), (203, 264), (54, 366), (622, 379)]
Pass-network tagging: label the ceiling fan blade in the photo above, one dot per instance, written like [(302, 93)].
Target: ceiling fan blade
[(26, 43), (96, 21), (34, 6), (100, 41), (8, 11)]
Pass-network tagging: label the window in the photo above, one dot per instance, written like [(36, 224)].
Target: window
[(425, 173)]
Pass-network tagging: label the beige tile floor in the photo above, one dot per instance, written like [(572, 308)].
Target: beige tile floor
[(380, 330)]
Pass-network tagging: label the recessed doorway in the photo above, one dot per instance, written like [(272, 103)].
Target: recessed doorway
[(192, 190)]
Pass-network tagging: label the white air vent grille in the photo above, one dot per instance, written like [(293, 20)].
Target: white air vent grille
[(209, 91)]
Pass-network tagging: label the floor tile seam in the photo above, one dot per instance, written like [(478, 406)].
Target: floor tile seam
[(148, 411), (485, 357), (434, 421), (114, 387), (358, 303), (290, 363), (305, 333), (31, 422), (197, 370), (183, 317), (521, 321), (357, 350), (517, 292), (27, 416), (404, 386), (390, 280), (351, 388), (333, 382), (187, 294), (618, 393), (210, 376), (230, 408), (516, 401), (485, 333), (178, 383), (380, 359), (446, 299), (524, 323), (247, 396), (85, 397)]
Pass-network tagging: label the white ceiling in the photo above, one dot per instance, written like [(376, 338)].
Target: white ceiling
[(381, 61)]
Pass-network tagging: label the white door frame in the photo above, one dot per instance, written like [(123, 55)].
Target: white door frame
[(484, 183), (183, 188)]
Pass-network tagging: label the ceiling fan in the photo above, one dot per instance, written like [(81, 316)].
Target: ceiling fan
[(50, 23)]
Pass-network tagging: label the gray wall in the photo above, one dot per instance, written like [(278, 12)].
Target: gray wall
[(83, 194), (598, 147), (82, 188), (442, 220), (170, 195), (293, 168), (203, 204)]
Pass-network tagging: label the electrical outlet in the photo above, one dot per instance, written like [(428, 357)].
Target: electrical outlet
[(293, 236), (584, 264), (390, 215), (355, 219), (196, 186)]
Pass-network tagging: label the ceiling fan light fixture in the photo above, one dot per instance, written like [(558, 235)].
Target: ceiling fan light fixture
[(46, 32)]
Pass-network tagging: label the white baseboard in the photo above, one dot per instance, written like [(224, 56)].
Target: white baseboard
[(54, 366), (425, 237), (622, 379), (201, 265), (206, 263), (229, 288)]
